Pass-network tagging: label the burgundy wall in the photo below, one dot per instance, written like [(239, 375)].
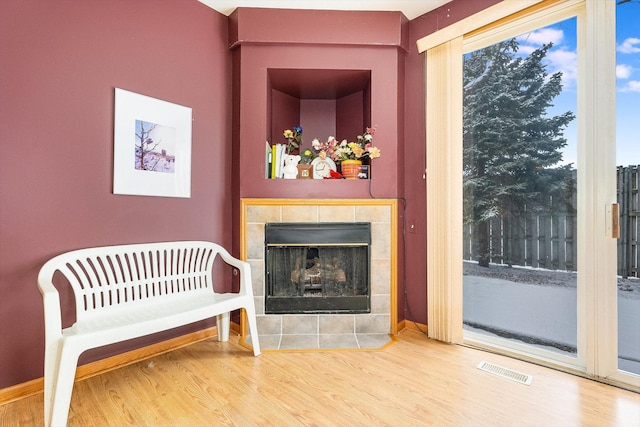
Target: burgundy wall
[(307, 40), (60, 62), (415, 150), (317, 116), (351, 117), (285, 115), (367, 41), (267, 26)]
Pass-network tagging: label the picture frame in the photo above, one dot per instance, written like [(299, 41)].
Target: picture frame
[(152, 146), (364, 172), (305, 171)]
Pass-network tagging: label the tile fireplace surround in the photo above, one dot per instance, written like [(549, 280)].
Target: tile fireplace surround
[(325, 331)]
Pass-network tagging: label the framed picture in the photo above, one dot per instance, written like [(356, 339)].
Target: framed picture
[(305, 172), (152, 146), (364, 172)]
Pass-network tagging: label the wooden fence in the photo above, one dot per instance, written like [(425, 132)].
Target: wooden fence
[(548, 240), (534, 240), (628, 198)]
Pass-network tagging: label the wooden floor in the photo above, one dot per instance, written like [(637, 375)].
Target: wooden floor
[(413, 382)]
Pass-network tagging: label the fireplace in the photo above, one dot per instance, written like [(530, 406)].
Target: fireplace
[(288, 330), (317, 268)]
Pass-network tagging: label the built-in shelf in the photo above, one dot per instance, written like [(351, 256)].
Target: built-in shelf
[(325, 103)]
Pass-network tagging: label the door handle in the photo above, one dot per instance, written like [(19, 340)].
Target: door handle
[(615, 220)]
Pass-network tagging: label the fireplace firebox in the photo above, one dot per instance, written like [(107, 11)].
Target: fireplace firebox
[(317, 268)]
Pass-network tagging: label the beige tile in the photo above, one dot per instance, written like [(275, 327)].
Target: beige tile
[(269, 325), (255, 241), (373, 324), (373, 213), (370, 340), (380, 276), (300, 213), (267, 342), (380, 241), (338, 341), (299, 342), (257, 276), (299, 324), (380, 304), (337, 324), (259, 304), (263, 214), (336, 214)]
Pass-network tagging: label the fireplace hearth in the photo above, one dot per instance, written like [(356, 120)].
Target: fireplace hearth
[(317, 268)]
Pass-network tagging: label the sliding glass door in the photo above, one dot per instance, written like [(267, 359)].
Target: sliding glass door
[(520, 190), (628, 185), (522, 184)]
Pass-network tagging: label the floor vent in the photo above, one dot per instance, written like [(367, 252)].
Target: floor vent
[(506, 373)]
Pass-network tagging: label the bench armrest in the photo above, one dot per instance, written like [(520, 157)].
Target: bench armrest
[(51, 303), (243, 267)]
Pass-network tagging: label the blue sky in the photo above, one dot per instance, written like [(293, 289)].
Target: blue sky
[(628, 93), (562, 57)]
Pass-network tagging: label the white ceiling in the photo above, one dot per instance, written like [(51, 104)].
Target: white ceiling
[(410, 8)]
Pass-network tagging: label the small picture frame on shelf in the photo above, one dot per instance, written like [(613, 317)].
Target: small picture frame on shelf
[(305, 172), (364, 172)]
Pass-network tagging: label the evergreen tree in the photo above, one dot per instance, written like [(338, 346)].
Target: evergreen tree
[(511, 147)]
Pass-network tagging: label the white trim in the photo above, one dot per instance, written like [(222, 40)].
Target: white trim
[(480, 19), (522, 25)]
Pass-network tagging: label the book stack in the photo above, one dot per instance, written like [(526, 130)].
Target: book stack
[(274, 160)]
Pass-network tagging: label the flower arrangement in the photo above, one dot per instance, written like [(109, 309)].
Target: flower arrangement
[(356, 150), (294, 138), (307, 156)]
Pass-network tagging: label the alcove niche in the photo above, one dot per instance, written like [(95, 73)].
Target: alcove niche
[(324, 102)]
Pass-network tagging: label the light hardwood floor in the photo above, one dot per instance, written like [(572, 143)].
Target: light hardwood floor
[(413, 382)]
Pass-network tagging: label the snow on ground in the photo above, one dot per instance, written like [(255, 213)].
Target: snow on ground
[(539, 307)]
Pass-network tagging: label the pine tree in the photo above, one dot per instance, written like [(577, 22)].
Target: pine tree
[(511, 147)]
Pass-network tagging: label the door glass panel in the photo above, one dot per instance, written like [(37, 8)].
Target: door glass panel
[(628, 183), (519, 187)]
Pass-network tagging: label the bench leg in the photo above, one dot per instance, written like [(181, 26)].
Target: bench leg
[(222, 322), (250, 311), (60, 386), (51, 369)]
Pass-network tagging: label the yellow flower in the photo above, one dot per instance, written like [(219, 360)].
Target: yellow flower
[(374, 152), (288, 133), (357, 150)]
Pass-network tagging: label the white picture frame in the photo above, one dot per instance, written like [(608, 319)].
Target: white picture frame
[(152, 146)]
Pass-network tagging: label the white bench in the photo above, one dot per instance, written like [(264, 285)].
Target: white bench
[(128, 291)]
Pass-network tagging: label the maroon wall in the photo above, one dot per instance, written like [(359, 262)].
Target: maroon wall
[(60, 62), (415, 150), (316, 117), (367, 41), (304, 40), (285, 115)]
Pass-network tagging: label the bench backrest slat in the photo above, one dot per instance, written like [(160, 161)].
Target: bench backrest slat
[(106, 278)]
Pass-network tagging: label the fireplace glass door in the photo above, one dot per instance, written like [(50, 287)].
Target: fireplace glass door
[(327, 274)]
